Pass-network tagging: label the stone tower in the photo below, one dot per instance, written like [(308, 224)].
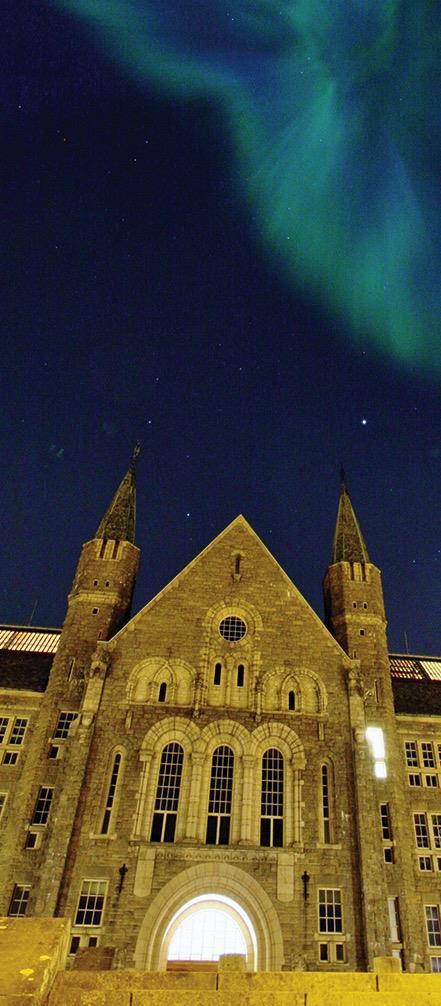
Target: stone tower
[(98, 605)]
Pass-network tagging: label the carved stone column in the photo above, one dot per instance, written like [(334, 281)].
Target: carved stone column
[(248, 803), (191, 826)]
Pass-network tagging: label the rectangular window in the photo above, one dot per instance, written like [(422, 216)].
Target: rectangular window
[(425, 863), (433, 925), (330, 912), (10, 758), (64, 721), (431, 781), (435, 964), (427, 754), (421, 831), (91, 903), (19, 901), (385, 822), (3, 797), (43, 805), (3, 728), (18, 731), (436, 828), (414, 779), (411, 753)]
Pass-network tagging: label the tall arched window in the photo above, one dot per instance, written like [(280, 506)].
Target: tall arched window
[(291, 700), (162, 694), (111, 793), (167, 794), (219, 802), (271, 822)]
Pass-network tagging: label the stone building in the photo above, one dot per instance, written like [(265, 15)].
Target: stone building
[(223, 769)]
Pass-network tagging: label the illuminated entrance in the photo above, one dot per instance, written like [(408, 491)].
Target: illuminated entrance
[(247, 916), (206, 927)]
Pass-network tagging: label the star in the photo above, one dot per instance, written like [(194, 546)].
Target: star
[(364, 422)]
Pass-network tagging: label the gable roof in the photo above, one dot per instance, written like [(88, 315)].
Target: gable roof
[(242, 522)]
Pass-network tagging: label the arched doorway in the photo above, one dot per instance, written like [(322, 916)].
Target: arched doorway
[(206, 927), (250, 906)]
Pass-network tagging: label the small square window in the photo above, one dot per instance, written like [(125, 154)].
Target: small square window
[(361, 632), (31, 840), (431, 781), (95, 611), (340, 952), (414, 779), (425, 863), (10, 758), (53, 752)]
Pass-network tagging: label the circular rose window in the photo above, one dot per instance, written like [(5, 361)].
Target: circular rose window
[(232, 628)]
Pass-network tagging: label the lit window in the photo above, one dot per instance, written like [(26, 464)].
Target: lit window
[(330, 911), (43, 805), (271, 823), (375, 739), (232, 628), (91, 903), (111, 794), (433, 925), (221, 791), (64, 721), (19, 901), (167, 794)]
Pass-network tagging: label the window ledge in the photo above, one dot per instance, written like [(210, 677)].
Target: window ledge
[(328, 845), (103, 838)]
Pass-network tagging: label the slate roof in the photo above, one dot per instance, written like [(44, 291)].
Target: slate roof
[(26, 656), (416, 684)]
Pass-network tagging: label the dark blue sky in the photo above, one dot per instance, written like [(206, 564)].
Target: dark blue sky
[(140, 303)]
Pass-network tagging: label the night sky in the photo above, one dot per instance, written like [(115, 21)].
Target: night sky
[(141, 302)]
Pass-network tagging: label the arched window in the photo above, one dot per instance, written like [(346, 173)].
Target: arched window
[(271, 822), (326, 797), (167, 794), (162, 694), (111, 793), (240, 675), (217, 673), (291, 700), (219, 803)]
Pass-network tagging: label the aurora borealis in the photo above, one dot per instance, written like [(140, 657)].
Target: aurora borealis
[(336, 129)]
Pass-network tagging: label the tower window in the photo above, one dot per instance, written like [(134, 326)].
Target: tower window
[(64, 721), (354, 604), (162, 695), (217, 674), (271, 822), (111, 794), (232, 628), (221, 792), (240, 675), (95, 611), (326, 810), (95, 583), (167, 794), (291, 700), (361, 632)]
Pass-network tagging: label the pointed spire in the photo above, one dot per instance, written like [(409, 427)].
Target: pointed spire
[(119, 519), (349, 544)]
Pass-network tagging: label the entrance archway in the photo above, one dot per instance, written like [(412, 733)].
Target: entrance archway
[(249, 906), (206, 927)]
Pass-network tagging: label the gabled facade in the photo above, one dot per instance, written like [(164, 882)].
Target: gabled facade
[(223, 748)]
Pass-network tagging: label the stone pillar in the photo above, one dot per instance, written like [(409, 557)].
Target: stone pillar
[(191, 827), (246, 823), (146, 758)]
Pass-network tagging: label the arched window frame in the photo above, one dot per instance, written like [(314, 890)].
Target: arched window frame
[(162, 691), (272, 798), (219, 821), (166, 800), (112, 792)]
